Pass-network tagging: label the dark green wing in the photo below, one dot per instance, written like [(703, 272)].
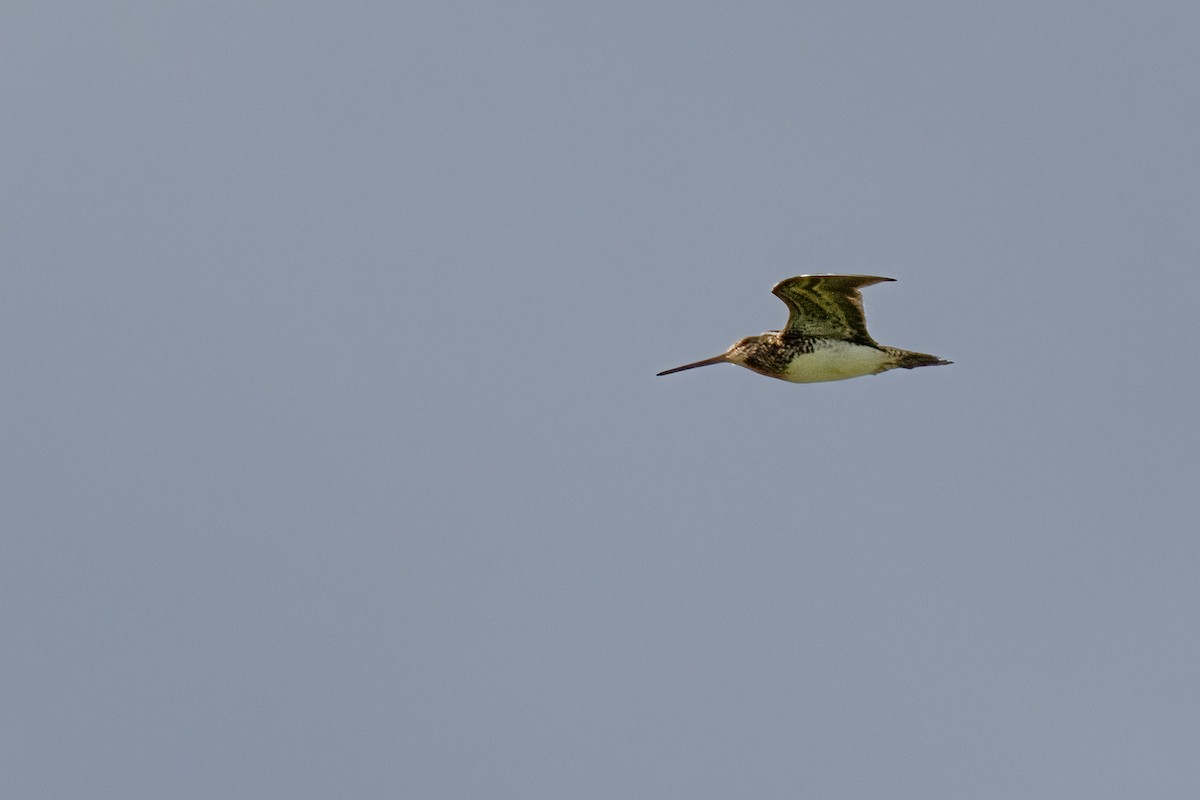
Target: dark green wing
[(827, 306)]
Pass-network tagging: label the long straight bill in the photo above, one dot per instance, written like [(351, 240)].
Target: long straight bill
[(721, 359)]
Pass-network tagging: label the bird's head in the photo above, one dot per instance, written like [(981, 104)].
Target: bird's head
[(740, 350), (736, 354)]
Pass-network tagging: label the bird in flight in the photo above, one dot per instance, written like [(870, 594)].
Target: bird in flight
[(825, 339)]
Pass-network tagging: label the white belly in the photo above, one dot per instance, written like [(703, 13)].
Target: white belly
[(835, 361)]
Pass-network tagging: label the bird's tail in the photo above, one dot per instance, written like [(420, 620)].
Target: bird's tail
[(910, 360)]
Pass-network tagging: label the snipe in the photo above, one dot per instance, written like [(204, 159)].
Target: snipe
[(825, 339)]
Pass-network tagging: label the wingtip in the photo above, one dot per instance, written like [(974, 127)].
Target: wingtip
[(874, 278)]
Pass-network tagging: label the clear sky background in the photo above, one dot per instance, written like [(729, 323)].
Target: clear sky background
[(334, 463)]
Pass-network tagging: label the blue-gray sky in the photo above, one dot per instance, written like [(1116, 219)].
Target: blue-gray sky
[(334, 463)]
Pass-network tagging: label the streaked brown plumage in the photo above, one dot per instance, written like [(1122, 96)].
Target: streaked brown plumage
[(825, 339)]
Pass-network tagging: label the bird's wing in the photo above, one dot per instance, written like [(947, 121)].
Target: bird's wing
[(826, 306)]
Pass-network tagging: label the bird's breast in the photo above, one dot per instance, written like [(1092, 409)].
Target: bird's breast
[(833, 360)]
